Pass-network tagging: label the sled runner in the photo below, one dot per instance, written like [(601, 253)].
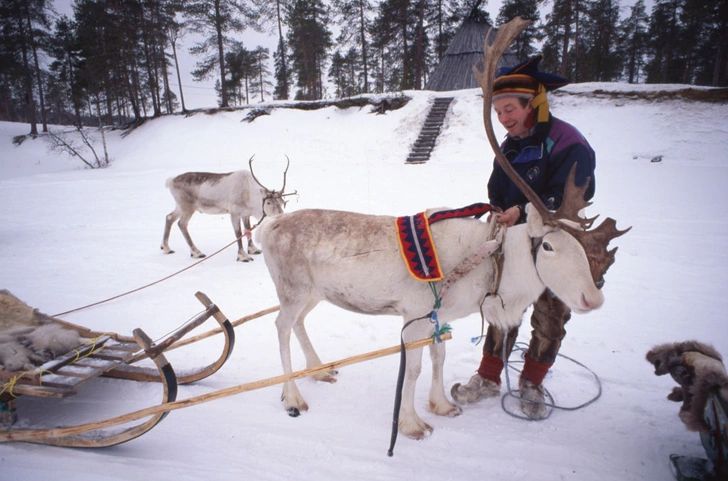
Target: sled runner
[(715, 443), (111, 355)]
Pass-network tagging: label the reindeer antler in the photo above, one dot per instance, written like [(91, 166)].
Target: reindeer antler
[(573, 201), (250, 165), (285, 172), (594, 242)]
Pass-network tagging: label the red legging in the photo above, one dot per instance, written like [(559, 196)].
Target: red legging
[(548, 320)]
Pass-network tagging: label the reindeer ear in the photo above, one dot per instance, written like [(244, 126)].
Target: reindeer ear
[(536, 226)]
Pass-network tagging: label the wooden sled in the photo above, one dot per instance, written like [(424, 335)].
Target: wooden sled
[(113, 355)]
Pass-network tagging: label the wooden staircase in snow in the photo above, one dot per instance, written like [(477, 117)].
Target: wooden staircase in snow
[(422, 149)]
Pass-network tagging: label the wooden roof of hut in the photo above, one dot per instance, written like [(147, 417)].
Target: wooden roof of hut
[(455, 70)]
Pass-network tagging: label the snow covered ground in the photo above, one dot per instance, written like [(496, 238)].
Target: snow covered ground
[(72, 236)]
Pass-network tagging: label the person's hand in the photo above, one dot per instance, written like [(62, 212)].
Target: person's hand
[(510, 216)]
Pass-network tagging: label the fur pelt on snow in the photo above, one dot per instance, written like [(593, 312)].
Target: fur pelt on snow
[(698, 369), (29, 338)]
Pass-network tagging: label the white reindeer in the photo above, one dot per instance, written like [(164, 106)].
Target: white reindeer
[(238, 193), (353, 261)]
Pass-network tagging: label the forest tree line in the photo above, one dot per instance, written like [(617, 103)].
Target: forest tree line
[(114, 61)]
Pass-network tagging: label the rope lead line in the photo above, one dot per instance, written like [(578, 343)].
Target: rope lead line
[(400, 375), (152, 283)]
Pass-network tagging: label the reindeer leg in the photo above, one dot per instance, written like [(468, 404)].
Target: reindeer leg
[(242, 256), (292, 398), (252, 249), (312, 358), (194, 251), (169, 220), (410, 423), (439, 404)]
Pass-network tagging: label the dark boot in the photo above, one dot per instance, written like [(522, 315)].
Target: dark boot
[(548, 320), (486, 382)]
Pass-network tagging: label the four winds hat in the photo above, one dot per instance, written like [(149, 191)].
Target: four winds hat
[(525, 81)]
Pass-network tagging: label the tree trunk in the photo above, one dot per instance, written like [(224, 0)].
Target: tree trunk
[(38, 74), (362, 31), (565, 41), (260, 76), (179, 77), (419, 48), (221, 55), (282, 53), (28, 79)]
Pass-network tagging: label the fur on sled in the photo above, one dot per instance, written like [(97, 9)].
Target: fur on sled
[(29, 338), (699, 370)]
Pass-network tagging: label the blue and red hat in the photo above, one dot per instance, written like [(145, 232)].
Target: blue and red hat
[(526, 81)]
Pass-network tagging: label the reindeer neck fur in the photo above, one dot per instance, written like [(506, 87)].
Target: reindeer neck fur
[(520, 285)]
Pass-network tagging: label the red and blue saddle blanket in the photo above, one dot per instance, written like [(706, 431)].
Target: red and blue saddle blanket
[(416, 244)]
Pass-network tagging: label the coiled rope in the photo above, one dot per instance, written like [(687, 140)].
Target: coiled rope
[(522, 348)]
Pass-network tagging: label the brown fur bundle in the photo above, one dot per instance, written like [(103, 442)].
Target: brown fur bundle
[(698, 369), (28, 337)]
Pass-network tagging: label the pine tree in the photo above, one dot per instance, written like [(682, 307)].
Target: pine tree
[(13, 99), (344, 72), (562, 42), (215, 20), (273, 11), (633, 41), (705, 32), (664, 33), (241, 66), (444, 16), (352, 17), (309, 39), (599, 59), (259, 83), (64, 89), (716, 46), (393, 33), (175, 31), (283, 74), (523, 46), (25, 25)]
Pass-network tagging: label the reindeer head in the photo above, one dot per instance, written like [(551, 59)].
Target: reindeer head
[(273, 200), (595, 241)]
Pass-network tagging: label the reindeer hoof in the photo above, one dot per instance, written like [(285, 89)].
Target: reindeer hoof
[(245, 259), (326, 376), (197, 256), (294, 412)]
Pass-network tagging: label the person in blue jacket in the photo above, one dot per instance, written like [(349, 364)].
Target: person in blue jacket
[(542, 149)]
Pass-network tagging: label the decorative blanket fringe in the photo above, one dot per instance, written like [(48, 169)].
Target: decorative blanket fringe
[(416, 244)]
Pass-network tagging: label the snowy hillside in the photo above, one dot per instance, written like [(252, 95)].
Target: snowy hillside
[(72, 236)]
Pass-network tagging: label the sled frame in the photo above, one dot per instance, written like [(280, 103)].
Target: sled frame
[(113, 355)]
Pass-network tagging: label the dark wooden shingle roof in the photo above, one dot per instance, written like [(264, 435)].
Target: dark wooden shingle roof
[(455, 70)]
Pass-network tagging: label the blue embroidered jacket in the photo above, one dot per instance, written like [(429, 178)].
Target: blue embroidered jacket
[(543, 160)]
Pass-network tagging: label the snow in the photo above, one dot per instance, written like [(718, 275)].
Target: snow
[(72, 236)]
